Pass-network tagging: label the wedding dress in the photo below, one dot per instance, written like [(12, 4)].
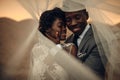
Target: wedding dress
[(44, 68)]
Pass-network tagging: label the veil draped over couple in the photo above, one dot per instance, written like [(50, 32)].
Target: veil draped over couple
[(51, 62)]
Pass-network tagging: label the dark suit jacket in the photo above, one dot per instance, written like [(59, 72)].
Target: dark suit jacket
[(88, 52)]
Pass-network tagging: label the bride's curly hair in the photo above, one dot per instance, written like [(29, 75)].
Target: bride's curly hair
[(48, 17)]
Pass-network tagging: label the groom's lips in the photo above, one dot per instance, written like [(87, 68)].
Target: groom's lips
[(76, 29), (77, 26)]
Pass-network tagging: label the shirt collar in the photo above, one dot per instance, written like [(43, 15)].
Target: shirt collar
[(85, 30)]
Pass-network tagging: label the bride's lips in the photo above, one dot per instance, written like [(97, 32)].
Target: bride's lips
[(63, 35)]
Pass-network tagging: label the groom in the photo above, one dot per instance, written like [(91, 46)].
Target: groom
[(76, 21)]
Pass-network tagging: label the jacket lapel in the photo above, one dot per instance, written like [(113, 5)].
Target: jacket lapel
[(85, 38), (70, 39)]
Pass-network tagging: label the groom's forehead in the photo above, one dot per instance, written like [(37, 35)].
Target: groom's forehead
[(67, 14)]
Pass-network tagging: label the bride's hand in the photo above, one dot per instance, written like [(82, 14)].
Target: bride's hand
[(70, 48), (73, 50)]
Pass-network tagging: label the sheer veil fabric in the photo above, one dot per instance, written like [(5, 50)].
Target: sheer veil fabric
[(52, 63)]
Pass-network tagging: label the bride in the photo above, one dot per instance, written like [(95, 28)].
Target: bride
[(52, 26)]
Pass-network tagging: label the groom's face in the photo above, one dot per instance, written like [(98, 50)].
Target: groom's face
[(76, 21)]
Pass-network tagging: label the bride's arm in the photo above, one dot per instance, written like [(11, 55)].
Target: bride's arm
[(70, 48)]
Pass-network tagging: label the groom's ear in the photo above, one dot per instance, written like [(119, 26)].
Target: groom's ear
[(87, 16), (85, 13)]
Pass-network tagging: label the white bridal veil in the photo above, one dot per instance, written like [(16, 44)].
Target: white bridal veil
[(49, 62)]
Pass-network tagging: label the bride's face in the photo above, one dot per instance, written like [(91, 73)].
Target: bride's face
[(58, 30)]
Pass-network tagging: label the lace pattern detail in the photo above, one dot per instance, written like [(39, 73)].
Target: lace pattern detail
[(44, 67)]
